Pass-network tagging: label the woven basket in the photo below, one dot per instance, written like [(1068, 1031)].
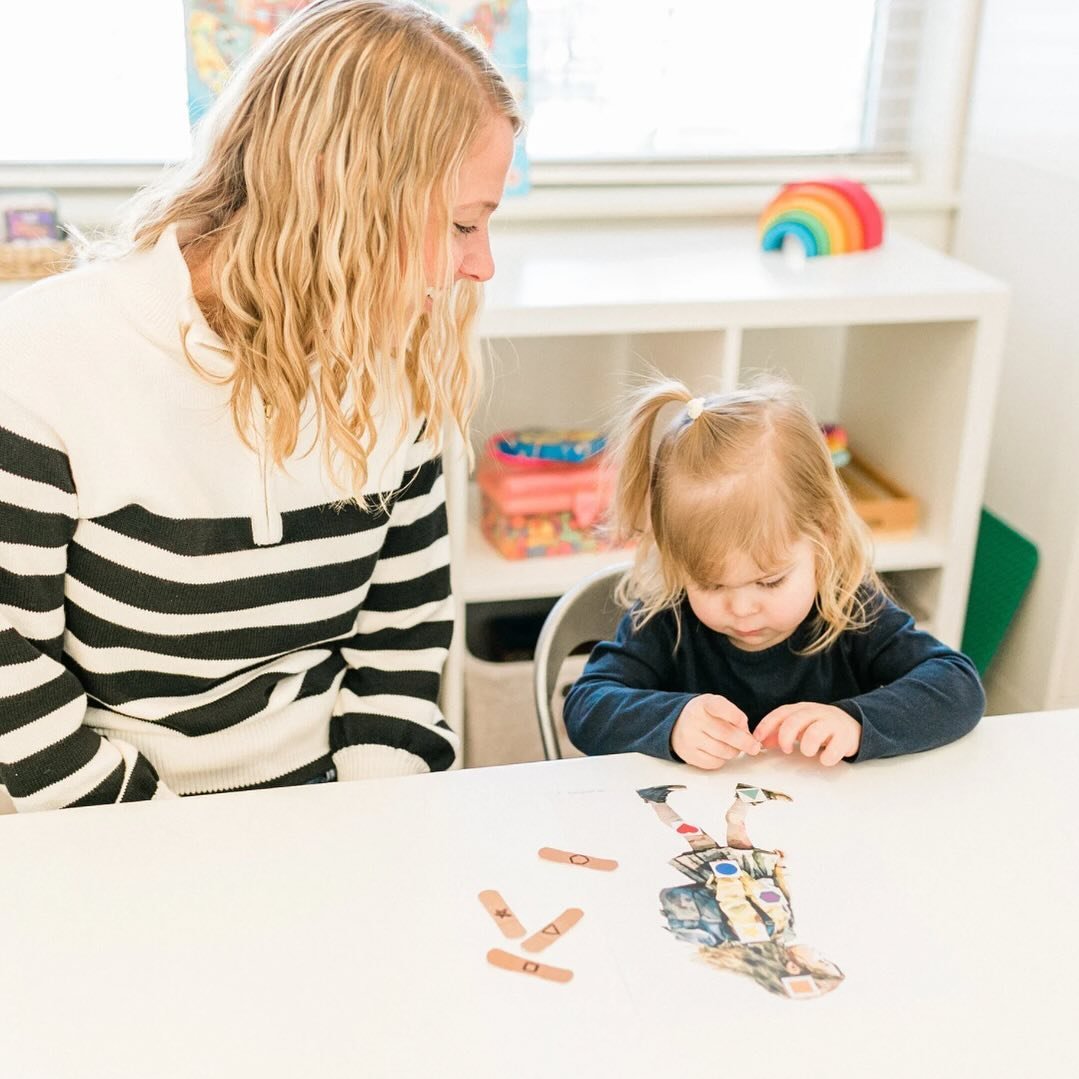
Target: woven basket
[(29, 261)]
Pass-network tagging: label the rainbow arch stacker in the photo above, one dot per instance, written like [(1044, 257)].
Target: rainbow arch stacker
[(829, 217)]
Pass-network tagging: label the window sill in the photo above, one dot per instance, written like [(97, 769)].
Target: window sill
[(90, 195), (544, 204)]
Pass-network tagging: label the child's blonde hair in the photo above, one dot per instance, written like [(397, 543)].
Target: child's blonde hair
[(742, 472), (313, 178)]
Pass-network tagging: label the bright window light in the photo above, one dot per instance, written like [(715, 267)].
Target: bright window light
[(697, 78), (610, 81)]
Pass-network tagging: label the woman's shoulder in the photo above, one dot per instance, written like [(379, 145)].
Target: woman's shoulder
[(38, 295), (52, 312), (99, 318)]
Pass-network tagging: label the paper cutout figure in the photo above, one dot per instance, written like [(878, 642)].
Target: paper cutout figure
[(738, 907)]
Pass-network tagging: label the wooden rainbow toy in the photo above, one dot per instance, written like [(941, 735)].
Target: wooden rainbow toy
[(829, 217)]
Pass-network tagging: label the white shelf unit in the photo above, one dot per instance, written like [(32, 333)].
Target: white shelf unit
[(901, 345)]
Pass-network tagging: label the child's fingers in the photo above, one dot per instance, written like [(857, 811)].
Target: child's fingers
[(813, 737), (720, 708), (769, 726), (767, 736), (726, 734), (719, 746), (769, 742), (790, 730), (833, 751), (704, 757)]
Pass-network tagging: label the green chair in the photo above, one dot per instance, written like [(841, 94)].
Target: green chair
[(1004, 564)]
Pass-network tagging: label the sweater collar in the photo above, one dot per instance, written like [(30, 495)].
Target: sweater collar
[(155, 289)]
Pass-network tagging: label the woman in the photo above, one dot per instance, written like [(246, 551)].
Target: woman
[(223, 551)]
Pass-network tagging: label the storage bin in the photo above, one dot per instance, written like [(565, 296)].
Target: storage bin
[(500, 717), (537, 509)]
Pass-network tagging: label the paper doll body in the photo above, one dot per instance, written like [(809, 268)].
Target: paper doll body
[(738, 907)]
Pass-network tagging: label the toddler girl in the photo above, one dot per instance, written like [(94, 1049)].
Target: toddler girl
[(757, 619)]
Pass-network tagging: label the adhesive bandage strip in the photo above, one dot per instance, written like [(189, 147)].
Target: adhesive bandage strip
[(505, 961), (553, 930), (503, 917), (552, 854)]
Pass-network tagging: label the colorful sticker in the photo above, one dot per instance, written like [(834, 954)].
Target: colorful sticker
[(801, 985)]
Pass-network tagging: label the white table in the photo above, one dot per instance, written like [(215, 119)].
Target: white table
[(335, 930)]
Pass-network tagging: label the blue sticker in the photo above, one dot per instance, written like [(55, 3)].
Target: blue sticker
[(725, 869)]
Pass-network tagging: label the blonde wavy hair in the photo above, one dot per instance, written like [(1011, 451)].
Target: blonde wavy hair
[(312, 182), (750, 474)]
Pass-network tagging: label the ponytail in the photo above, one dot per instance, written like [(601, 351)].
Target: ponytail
[(633, 456), (635, 497)]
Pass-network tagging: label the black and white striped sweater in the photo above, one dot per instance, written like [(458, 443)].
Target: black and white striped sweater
[(178, 616)]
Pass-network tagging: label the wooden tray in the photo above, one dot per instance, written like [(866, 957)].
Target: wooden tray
[(885, 507)]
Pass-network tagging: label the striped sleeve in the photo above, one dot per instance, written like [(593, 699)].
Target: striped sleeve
[(48, 757), (386, 719)]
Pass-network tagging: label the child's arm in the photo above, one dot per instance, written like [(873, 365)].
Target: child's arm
[(619, 704), (919, 692)]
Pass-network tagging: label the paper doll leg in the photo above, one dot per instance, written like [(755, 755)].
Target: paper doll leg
[(744, 797), (657, 798)]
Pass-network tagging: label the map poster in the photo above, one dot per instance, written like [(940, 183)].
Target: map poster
[(220, 33), (501, 27)]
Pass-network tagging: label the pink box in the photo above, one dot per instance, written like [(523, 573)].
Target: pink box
[(537, 509)]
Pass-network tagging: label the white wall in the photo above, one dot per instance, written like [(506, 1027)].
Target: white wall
[(1019, 221)]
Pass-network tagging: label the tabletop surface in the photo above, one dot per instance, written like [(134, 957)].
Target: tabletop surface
[(335, 930)]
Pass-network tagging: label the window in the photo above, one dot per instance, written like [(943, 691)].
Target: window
[(698, 79), (675, 82), (93, 82)]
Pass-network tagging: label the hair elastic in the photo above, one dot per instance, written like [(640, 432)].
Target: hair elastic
[(695, 407)]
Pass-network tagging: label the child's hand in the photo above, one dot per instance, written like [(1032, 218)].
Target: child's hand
[(711, 731), (820, 729)]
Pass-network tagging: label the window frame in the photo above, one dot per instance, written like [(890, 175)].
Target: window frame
[(927, 178)]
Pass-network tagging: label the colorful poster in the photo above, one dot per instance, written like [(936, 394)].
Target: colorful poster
[(501, 27), (220, 33)]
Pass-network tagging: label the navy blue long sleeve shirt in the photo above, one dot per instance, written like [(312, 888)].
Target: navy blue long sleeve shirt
[(908, 691)]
